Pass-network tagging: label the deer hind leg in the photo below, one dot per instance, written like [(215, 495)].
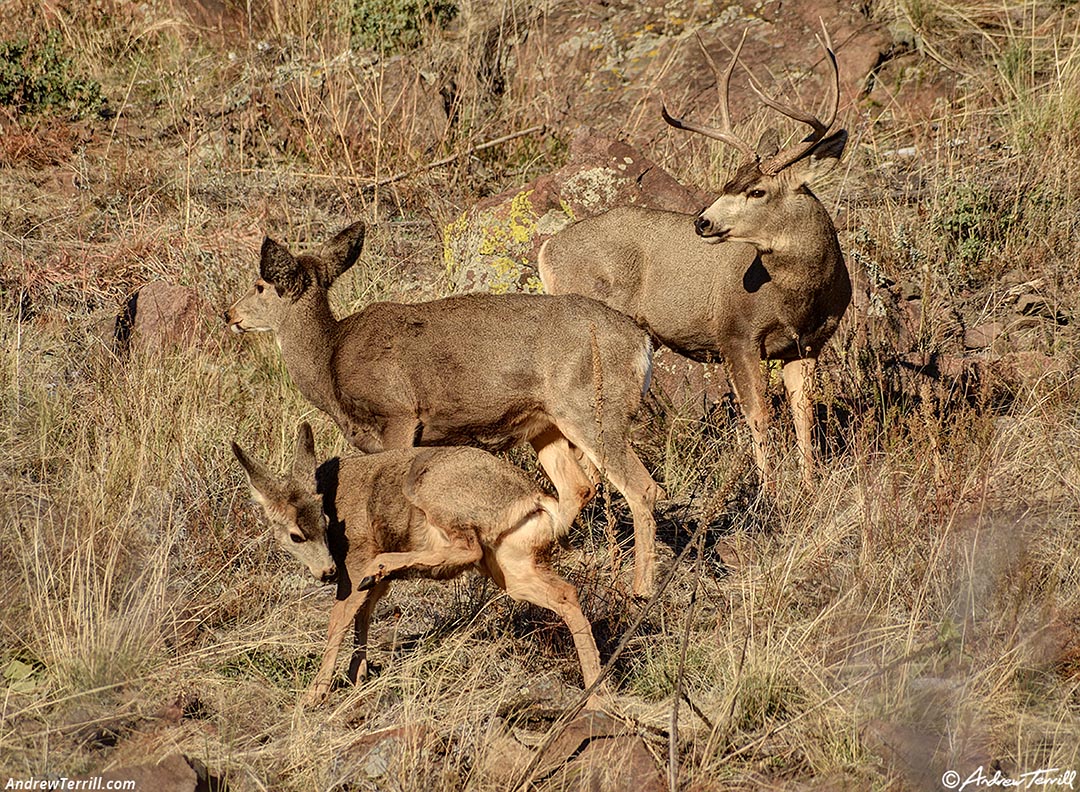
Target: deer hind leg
[(796, 374), (358, 665), (749, 386), (575, 486), (344, 612), (524, 578), (454, 551)]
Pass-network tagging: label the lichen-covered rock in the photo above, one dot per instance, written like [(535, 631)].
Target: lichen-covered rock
[(492, 246)]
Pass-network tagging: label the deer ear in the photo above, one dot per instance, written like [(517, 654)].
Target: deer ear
[(264, 485), (303, 469), (341, 252), (768, 144), (822, 158), (279, 267)]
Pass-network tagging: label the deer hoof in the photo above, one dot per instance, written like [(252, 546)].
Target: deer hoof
[(367, 583), (316, 695)]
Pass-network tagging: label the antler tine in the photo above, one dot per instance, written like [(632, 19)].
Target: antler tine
[(820, 128), (725, 133), (723, 81)]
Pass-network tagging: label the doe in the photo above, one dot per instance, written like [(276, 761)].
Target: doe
[(565, 374)]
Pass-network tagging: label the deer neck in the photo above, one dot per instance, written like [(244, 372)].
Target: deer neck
[(803, 252), (306, 339)]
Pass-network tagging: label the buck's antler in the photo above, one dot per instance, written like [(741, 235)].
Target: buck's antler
[(786, 157), (726, 134)]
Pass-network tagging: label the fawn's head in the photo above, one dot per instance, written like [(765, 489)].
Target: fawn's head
[(766, 198), (284, 279), (292, 507)]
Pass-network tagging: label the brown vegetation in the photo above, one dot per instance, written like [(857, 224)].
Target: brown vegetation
[(917, 611)]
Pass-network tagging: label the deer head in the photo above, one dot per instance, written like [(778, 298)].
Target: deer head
[(292, 507), (757, 205), (284, 279)]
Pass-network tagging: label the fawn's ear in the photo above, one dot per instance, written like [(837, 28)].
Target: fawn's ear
[(264, 485), (279, 267), (303, 468), (340, 253)]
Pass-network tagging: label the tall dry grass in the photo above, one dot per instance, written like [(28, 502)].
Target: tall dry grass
[(919, 605)]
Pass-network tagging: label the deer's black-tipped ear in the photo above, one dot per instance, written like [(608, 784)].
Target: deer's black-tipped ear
[(263, 483), (768, 144), (822, 158), (279, 267), (341, 252), (303, 468)]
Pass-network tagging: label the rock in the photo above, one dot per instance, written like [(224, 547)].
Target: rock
[(1036, 305), (374, 755), (408, 107), (1023, 370), (174, 773), (493, 245), (596, 752), (687, 384), (610, 63), (983, 335), (160, 315)]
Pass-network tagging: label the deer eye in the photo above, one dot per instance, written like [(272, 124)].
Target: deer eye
[(297, 538), (755, 194)]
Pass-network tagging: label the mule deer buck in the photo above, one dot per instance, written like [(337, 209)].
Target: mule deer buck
[(563, 373), (416, 512), (757, 275)]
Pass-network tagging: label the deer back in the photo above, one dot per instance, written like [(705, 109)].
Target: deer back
[(484, 370)]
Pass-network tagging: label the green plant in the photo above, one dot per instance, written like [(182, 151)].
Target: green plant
[(39, 77), (397, 25), (974, 223)]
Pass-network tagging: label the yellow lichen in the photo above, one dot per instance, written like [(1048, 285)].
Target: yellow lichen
[(492, 249)]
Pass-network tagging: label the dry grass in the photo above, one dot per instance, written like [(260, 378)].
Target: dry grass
[(924, 596)]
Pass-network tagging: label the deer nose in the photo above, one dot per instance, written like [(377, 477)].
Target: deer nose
[(701, 225), (329, 574)]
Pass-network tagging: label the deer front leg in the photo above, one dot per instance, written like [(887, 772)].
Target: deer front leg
[(460, 550), (796, 374), (749, 384), (340, 617), (358, 665)]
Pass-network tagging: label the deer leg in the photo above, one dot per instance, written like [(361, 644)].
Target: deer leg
[(749, 387), (626, 473), (796, 374), (586, 465), (358, 665), (457, 551), (344, 611), (559, 461), (524, 579)]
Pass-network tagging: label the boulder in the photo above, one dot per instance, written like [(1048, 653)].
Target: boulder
[(493, 245), (610, 63), (596, 752), (174, 773), (158, 316)]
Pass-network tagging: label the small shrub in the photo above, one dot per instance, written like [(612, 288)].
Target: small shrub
[(974, 224), (397, 25), (40, 78)]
